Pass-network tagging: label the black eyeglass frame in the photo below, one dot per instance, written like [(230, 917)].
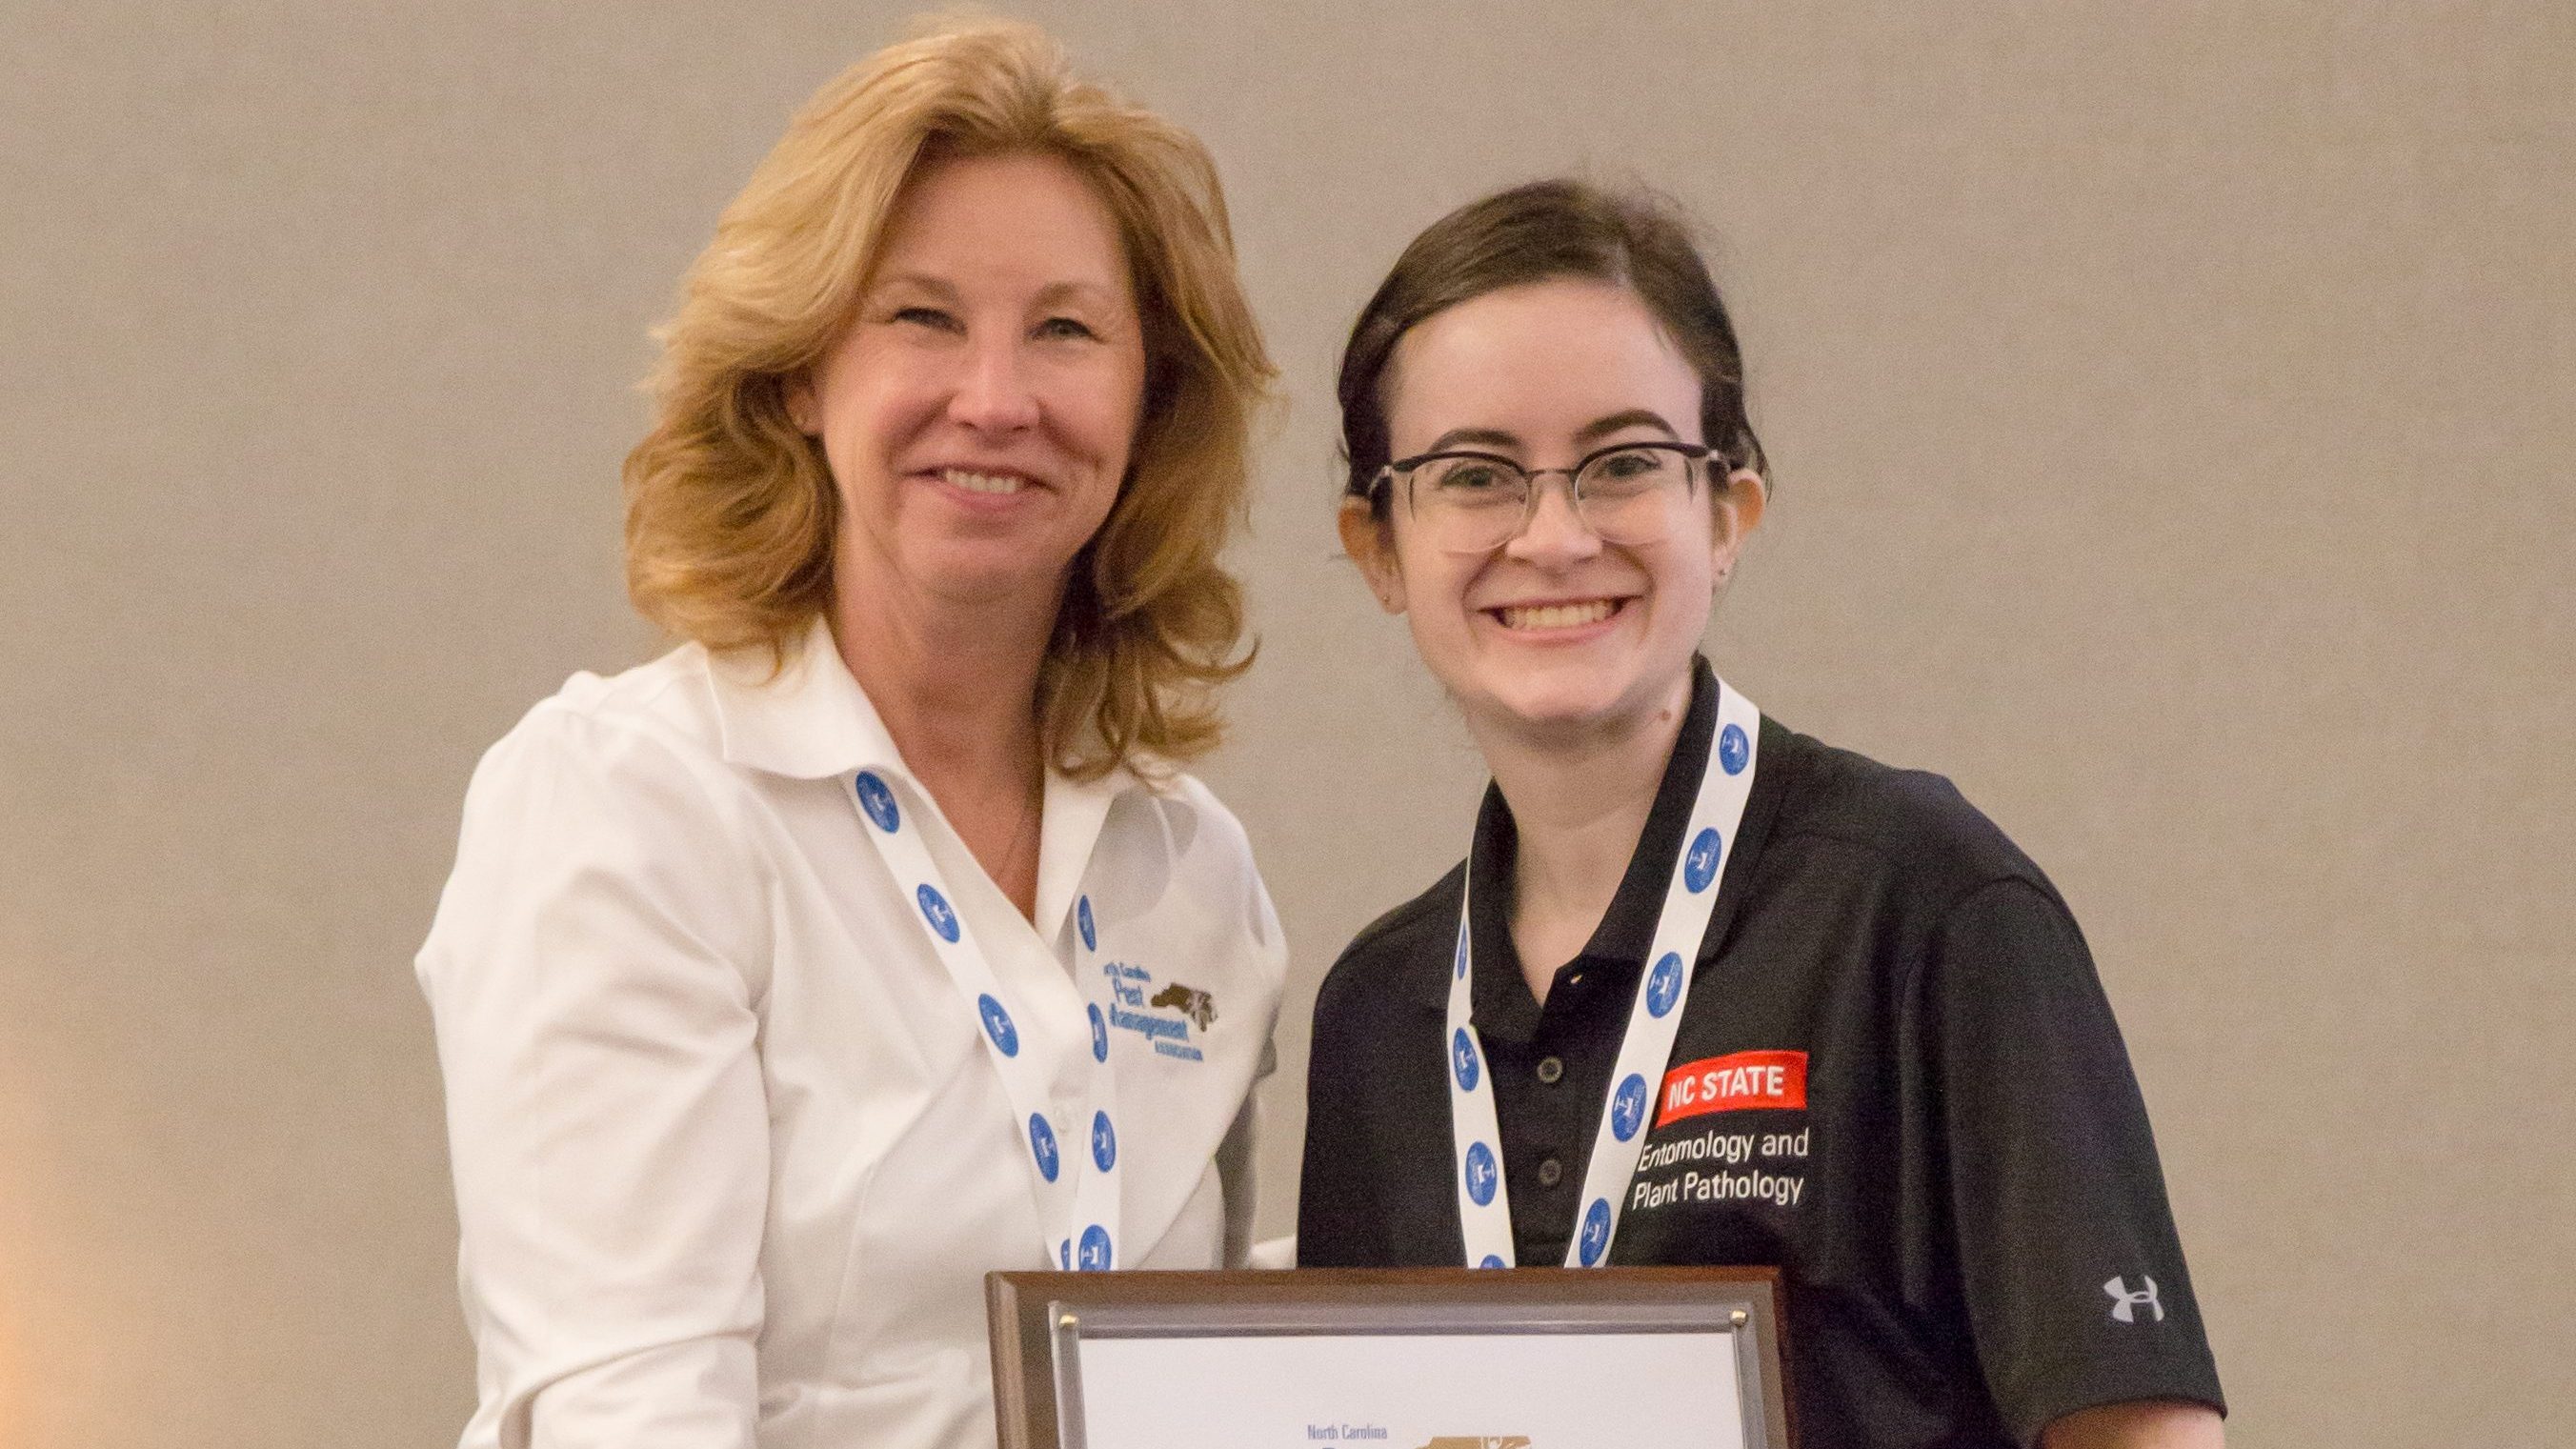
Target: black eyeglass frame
[(1406, 467)]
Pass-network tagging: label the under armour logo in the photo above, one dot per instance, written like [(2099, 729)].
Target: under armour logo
[(2125, 1304)]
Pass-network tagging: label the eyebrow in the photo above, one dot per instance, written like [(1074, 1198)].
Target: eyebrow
[(1091, 292), (1050, 295), (915, 280), (1590, 432)]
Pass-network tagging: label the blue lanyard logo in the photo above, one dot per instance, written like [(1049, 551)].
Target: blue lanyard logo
[(935, 910), (1628, 1108), (878, 802), (997, 1025), (1701, 866), (1462, 1060), (1664, 987), (1042, 1146)]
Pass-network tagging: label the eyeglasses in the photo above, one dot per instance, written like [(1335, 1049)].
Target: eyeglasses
[(1469, 502)]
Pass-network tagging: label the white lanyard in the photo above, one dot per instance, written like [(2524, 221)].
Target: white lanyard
[(1484, 1204), (1077, 1192)]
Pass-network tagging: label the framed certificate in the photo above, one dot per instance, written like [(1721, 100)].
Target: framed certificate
[(1434, 1358)]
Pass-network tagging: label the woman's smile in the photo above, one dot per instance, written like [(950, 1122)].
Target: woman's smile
[(1555, 625), (978, 413), (986, 484)]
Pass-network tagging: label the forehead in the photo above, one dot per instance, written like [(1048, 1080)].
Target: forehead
[(1538, 362), (1022, 217)]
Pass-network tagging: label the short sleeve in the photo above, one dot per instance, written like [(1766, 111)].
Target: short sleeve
[(2071, 1271), (591, 976), (1341, 1208)]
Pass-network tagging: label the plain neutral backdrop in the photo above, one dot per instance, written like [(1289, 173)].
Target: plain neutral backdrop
[(2171, 407)]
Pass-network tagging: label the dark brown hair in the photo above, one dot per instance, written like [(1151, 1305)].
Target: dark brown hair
[(1630, 237)]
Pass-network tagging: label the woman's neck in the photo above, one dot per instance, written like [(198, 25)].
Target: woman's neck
[(1579, 800), (956, 686)]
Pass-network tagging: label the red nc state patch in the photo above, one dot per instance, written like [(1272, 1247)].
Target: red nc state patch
[(1737, 1082)]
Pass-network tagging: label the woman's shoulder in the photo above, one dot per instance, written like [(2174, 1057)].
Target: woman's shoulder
[(608, 799), (669, 700), (1402, 953), (1185, 826), (642, 747), (1915, 823)]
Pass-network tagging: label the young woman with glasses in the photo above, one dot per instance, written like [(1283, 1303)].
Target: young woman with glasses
[(1706, 990)]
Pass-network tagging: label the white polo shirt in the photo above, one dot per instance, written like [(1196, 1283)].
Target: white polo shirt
[(731, 1159)]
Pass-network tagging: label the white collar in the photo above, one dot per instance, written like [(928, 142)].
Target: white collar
[(813, 721)]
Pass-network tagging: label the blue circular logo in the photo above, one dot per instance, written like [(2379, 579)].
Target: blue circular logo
[(1491, 1260), (934, 909), (1099, 1035), (1664, 987), (1104, 1142), (1628, 1108), (878, 802), (1042, 1145), (1064, 1253), (1462, 1059), (1596, 1230), (1082, 918), (1481, 1177), (997, 1025), (1462, 951), (1700, 866), (1734, 751), (1095, 1250)]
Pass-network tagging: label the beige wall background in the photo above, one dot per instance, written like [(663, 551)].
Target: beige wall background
[(2171, 404)]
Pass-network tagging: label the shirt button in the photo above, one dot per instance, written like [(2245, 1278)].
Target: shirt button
[(1549, 1069), (1550, 1172)]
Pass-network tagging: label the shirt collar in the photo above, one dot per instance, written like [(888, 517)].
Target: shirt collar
[(1504, 1003), (808, 721), (812, 721)]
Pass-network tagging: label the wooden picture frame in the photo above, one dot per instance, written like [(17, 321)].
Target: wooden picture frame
[(1041, 1321)]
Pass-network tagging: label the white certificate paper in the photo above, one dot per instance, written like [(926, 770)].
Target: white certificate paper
[(1549, 1390)]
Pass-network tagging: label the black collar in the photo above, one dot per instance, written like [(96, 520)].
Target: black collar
[(1504, 1006)]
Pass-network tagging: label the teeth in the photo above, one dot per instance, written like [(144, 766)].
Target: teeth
[(1557, 616), (984, 482)]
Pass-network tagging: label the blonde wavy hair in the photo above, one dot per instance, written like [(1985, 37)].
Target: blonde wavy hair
[(730, 508)]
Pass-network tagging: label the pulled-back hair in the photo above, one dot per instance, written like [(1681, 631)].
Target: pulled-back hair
[(1631, 238), (730, 508)]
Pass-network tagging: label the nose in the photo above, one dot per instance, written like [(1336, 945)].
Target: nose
[(1555, 535), (992, 395)]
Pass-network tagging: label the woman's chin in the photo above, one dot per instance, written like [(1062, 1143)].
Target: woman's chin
[(1555, 708), (972, 574)]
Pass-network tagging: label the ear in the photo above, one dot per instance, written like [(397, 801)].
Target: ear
[(1370, 542), (797, 392), (1737, 507)]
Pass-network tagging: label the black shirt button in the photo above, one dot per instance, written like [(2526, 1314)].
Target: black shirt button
[(1549, 1069), (1550, 1171)]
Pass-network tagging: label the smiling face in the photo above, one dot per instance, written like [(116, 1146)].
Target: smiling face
[(1554, 631), (978, 411)]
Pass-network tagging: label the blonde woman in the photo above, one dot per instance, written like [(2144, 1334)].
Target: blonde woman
[(872, 939)]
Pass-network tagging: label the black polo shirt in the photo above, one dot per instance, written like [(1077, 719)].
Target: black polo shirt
[(1896, 1078)]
